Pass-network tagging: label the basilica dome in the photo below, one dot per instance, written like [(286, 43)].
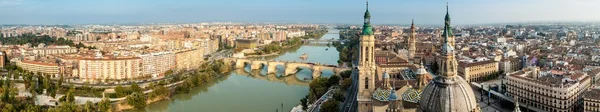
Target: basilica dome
[(448, 94)]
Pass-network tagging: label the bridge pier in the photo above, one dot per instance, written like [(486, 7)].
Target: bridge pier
[(289, 71), (316, 72), (271, 69), (255, 66), (239, 64)]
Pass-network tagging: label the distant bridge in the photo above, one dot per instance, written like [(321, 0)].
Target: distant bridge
[(320, 40), (290, 67), (289, 80)]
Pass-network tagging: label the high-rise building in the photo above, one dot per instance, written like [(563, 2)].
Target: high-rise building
[(448, 92)]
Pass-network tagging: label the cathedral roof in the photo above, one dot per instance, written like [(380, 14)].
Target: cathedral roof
[(421, 70), (412, 95), (448, 94), (393, 96)]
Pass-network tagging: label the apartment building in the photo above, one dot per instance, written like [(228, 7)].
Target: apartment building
[(114, 68), (188, 59), (591, 100), (548, 92), (157, 63), (40, 67), (477, 70), (47, 50)]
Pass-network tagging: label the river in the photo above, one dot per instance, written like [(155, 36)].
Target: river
[(241, 92)]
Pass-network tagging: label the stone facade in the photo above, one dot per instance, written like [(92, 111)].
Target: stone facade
[(553, 93), (477, 71)]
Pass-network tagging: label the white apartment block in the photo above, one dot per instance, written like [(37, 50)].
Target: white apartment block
[(155, 64)]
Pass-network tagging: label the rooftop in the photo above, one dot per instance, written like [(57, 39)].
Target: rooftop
[(592, 94), (477, 63)]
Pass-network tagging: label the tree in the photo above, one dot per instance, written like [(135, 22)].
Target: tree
[(32, 108), (346, 83), (338, 96), (119, 90), (159, 91), (69, 97), (88, 107), (135, 88), (317, 88), (137, 100), (346, 74), (330, 106), (169, 72), (61, 80), (46, 82), (104, 105), (52, 91), (5, 89), (8, 108), (66, 107), (333, 80), (13, 93), (304, 102)]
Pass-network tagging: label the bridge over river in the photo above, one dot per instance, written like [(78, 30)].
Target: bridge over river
[(290, 67)]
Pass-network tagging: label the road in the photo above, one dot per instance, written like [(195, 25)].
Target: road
[(350, 103), (315, 107)]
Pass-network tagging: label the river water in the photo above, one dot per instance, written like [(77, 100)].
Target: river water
[(242, 92)]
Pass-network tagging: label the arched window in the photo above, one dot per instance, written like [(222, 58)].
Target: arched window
[(367, 83)]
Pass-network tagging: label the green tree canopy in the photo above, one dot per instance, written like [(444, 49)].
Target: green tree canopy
[(330, 106), (137, 100)]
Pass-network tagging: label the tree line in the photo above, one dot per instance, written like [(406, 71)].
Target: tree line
[(34, 39)]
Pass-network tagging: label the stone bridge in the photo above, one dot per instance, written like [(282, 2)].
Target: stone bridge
[(290, 67), (289, 80)]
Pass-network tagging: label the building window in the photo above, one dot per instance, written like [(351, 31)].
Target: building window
[(367, 83)]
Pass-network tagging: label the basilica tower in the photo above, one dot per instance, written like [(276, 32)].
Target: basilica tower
[(412, 41), (448, 92), (366, 65)]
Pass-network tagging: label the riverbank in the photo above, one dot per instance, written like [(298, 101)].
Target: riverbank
[(274, 53), (183, 83), (123, 106), (275, 48)]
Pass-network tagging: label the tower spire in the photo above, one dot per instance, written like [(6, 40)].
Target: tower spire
[(367, 29), (448, 35)]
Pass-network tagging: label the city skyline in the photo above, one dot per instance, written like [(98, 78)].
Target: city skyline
[(293, 11)]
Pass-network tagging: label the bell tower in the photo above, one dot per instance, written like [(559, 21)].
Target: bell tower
[(412, 40), (366, 65)]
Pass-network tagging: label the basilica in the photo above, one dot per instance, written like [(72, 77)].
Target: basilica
[(411, 87)]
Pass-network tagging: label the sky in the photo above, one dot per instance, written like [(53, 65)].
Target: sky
[(429, 12)]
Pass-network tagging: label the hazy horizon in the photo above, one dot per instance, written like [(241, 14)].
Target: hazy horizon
[(465, 12)]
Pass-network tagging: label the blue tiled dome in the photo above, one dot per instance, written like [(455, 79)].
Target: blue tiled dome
[(393, 95)]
